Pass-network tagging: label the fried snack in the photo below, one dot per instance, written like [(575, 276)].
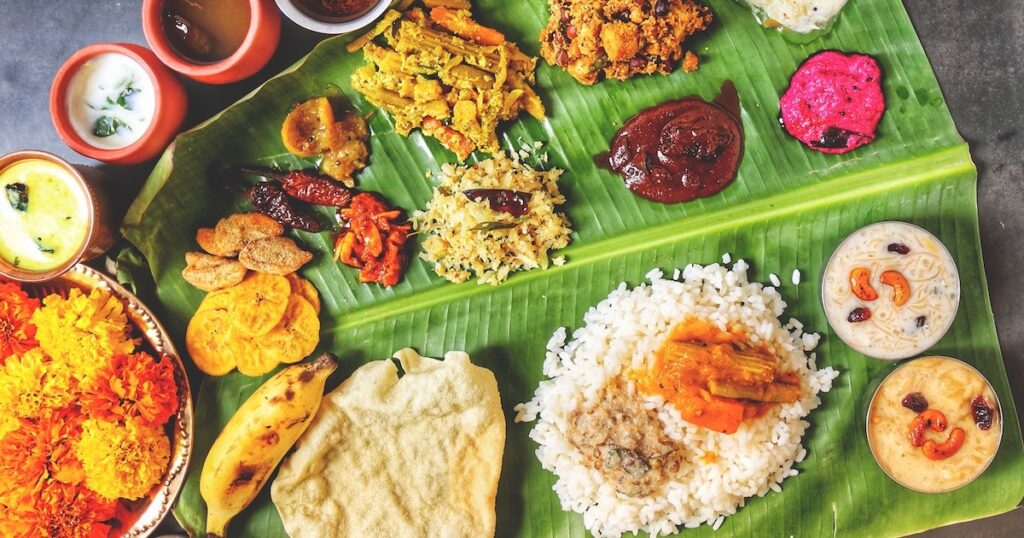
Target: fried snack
[(212, 273), (305, 288), (207, 240), (233, 232), (418, 455), (593, 39), (254, 326), (260, 302), (273, 255), (312, 129), (447, 75), (208, 340)]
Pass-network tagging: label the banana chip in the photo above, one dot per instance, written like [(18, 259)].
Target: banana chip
[(261, 300), (295, 337), (306, 289), (255, 326), (208, 340)]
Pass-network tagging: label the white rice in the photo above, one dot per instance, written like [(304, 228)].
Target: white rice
[(621, 333)]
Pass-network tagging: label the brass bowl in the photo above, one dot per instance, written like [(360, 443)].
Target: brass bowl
[(102, 224), (158, 503)]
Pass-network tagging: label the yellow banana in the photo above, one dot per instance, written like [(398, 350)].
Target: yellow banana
[(257, 436)]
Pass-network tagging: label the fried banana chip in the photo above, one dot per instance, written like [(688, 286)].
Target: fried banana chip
[(260, 303), (274, 255), (305, 288), (294, 338), (248, 358), (222, 299), (208, 340), (233, 232), (211, 273)]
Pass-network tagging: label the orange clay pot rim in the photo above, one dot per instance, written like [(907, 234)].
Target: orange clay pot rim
[(8, 269), (152, 25), (301, 16), (59, 109), (871, 407)]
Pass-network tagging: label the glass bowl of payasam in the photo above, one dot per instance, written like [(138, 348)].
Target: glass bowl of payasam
[(890, 290), (934, 424), (53, 215)]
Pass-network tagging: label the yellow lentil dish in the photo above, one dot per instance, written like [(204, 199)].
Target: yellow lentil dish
[(447, 75)]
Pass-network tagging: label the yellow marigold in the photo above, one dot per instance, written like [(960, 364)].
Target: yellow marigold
[(31, 386), (122, 460), (84, 331)]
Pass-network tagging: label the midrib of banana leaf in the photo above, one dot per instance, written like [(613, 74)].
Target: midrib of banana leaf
[(787, 210)]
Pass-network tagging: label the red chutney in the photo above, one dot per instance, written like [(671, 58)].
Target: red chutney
[(680, 150), (682, 378)]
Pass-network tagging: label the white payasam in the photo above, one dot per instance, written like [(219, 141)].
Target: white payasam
[(892, 330), (800, 16), (718, 471)]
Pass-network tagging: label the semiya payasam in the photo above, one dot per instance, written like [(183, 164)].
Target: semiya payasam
[(716, 378), (264, 321), (890, 290), (447, 75), (934, 424), (312, 128), (416, 455)]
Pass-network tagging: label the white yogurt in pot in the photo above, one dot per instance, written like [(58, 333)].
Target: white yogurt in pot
[(111, 101), (890, 290)]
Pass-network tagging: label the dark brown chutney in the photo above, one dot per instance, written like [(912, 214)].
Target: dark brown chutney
[(680, 150)]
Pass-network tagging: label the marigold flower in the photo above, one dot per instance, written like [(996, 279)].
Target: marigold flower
[(122, 459), (17, 333), (31, 386), (133, 387), (38, 451), (59, 511), (84, 331)]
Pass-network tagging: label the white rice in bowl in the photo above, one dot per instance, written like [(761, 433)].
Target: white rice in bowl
[(622, 333)]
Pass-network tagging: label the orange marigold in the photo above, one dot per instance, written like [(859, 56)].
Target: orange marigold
[(133, 387), (59, 511), (39, 451), (17, 333)]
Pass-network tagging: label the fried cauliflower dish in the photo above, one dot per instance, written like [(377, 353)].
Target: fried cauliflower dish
[(593, 39)]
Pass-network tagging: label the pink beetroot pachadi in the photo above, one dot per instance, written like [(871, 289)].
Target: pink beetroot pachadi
[(834, 101)]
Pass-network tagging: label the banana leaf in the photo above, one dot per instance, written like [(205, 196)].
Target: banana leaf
[(787, 210)]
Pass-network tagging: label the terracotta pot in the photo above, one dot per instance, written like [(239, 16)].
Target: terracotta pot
[(168, 112), (255, 51), (102, 225)]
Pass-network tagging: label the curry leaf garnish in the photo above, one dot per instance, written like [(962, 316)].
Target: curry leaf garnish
[(17, 196), (108, 125)]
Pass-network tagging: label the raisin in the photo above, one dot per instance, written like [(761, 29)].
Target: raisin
[(982, 412), (898, 248), (915, 401), (859, 314), (920, 321), (661, 8)]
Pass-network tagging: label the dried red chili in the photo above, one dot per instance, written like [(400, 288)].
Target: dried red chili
[(307, 186), (514, 203), (271, 200), (373, 240)]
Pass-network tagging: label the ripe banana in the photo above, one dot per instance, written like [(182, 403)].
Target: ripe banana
[(257, 436)]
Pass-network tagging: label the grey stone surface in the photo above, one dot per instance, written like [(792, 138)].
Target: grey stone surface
[(974, 46)]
